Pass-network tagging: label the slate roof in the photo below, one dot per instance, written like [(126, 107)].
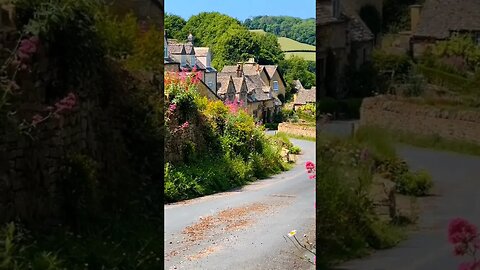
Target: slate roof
[(358, 29), (439, 17), (254, 83), (305, 96), (238, 82), (223, 81), (248, 69)]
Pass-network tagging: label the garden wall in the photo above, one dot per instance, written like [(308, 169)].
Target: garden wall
[(397, 114), (297, 129)]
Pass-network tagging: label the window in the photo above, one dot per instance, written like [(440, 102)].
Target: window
[(275, 85), (184, 60)]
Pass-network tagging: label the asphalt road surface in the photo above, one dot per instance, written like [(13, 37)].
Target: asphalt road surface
[(245, 228)]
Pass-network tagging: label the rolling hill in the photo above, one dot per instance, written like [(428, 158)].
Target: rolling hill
[(288, 44)]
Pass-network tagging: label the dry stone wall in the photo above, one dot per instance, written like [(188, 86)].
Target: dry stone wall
[(298, 130), (395, 113)]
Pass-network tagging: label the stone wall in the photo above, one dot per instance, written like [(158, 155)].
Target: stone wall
[(297, 129), (395, 113)]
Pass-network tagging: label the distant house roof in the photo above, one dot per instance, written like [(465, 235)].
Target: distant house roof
[(248, 69), (271, 69), (223, 82), (358, 29), (238, 82), (254, 83), (305, 96), (439, 17), (298, 84), (201, 51)]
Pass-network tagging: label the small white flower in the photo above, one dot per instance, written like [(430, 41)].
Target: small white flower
[(292, 233)]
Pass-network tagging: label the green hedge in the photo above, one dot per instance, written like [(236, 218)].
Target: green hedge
[(442, 78)]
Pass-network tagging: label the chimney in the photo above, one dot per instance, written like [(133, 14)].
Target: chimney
[(415, 11), (336, 9), (239, 70), (190, 39)]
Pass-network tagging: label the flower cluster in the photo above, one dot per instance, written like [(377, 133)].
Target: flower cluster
[(311, 170), (466, 241), (234, 106), (61, 107), (26, 50)]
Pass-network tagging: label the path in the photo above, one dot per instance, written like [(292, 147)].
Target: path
[(243, 229), (456, 194)]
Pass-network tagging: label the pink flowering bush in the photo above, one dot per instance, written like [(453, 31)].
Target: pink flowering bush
[(466, 242)]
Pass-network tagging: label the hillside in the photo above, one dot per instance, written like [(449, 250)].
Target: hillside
[(288, 44), (301, 30)]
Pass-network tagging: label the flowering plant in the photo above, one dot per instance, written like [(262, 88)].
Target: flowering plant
[(466, 241)]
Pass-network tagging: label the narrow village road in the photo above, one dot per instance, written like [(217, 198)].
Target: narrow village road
[(244, 228), (456, 194)]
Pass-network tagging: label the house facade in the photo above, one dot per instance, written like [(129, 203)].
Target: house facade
[(344, 40), (225, 87), (438, 20)]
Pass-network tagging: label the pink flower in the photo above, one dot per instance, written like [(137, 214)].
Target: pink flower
[(461, 231), (185, 125), (310, 165), (172, 107), (460, 250), (312, 176), (37, 118)]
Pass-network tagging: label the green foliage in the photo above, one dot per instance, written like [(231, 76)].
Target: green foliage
[(307, 112), (416, 85), (463, 46), (301, 30), (295, 150), (400, 64), (396, 15), (118, 35), (346, 223), (415, 184), (147, 54), (270, 51), (234, 45), (173, 25), (296, 68), (439, 77)]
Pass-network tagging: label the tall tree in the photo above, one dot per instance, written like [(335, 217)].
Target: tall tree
[(270, 51), (236, 44), (173, 25)]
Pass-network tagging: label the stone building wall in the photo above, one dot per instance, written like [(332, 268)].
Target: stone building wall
[(396, 114)]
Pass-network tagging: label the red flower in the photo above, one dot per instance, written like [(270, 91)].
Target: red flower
[(310, 165), (461, 231)]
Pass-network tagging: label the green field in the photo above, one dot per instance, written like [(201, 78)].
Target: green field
[(288, 44)]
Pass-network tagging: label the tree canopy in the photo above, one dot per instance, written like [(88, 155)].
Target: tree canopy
[(301, 30), (173, 24), (297, 68)]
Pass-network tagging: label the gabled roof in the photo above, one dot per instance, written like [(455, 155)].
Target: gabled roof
[(238, 83), (358, 29), (223, 81), (305, 96), (271, 69), (248, 69), (439, 17), (201, 51)]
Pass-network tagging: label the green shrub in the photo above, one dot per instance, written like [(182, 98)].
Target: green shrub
[(295, 150), (415, 184), (400, 64)]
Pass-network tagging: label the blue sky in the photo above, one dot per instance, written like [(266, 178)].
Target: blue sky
[(243, 9)]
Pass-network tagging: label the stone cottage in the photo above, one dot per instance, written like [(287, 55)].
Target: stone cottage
[(225, 87), (343, 40), (442, 19)]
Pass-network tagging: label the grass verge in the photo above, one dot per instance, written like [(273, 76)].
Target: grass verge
[(432, 142)]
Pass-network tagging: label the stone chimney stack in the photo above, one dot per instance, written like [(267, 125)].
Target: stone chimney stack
[(190, 39), (415, 11), (239, 70), (336, 9)]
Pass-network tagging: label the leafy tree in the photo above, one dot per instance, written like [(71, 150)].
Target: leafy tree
[(270, 51), (372, 18), (207, 27), (296, 68), (236, 44), (173, 25)]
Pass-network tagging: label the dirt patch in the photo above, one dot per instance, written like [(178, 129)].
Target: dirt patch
[(197, 231), (204, 253)]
